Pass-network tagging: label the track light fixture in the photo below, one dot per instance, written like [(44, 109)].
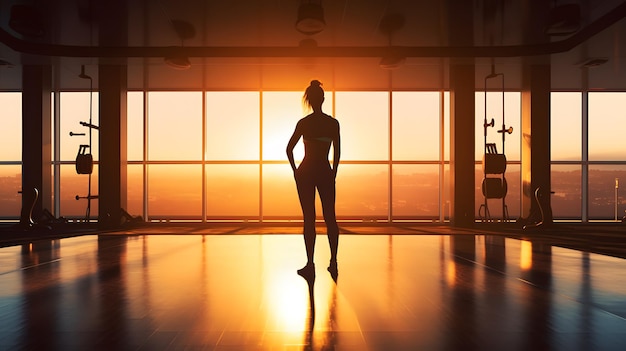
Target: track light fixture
[(390, 24), (184, 30)]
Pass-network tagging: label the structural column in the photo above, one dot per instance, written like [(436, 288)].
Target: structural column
[(112, 88), (536, 141), (36, 141), (536, 86), (462, 139), (112, 189), (462, 115)]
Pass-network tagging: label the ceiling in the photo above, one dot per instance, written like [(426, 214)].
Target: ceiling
[(253, 44)]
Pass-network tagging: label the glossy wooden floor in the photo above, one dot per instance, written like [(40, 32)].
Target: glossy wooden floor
[(241, 292)]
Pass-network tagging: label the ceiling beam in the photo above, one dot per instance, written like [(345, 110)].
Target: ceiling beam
[(54, 50)]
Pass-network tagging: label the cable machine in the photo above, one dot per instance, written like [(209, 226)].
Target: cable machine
[(84, 158), (494, 184)]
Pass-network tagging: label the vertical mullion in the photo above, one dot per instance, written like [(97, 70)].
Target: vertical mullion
[(390, 155), (144, 162), (585, 147), (204, 121), (261, 155), (57, 143), (144, 90), (204, 143), (441, 154)]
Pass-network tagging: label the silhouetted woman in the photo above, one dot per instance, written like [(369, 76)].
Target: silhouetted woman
[(318, 131)]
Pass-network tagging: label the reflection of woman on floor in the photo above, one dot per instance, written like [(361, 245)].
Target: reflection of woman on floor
[(318, 131)]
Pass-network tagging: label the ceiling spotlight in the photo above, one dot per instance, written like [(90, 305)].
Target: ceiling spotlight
[(310, 17), (178, 62)]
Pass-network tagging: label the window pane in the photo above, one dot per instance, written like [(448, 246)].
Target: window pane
[(416, 191), (604, 195), (280, 196), (10, 184), (364, 119), (134, 193), (566, 200), (363, 191), (135, 126), (565, 126), (281, 112), (11, 131), (74, 108), (607, 123), (512, 118), (232, 191), (175, 125), (232, 125), (175, 191), (72, 185), (415, 125)]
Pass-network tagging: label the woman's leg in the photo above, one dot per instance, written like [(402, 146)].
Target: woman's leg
[(306, 194), (327, 197)]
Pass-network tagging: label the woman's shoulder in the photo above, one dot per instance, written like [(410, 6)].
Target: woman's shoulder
[(332, 119)]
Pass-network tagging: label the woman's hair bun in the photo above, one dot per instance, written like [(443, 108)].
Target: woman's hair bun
[(315, 83)]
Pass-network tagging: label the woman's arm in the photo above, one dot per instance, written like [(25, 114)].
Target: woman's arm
[(297, 133)]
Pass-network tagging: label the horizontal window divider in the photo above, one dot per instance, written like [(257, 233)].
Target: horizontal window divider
[(589, 162), (347, 162), (282, 162)]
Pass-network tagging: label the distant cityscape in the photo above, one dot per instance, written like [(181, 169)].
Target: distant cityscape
[(415, 195)]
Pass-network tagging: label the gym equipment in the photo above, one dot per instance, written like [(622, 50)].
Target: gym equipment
[(494, 184), (84, 158)]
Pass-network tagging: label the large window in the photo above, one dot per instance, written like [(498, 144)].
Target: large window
[(607, 123), (566, 150), (607, 154), (586, 176), (75, 115), (217, 155), (415, 131), (10, 155), (566, 126), (175, 126), (232, 126), (364, 118)]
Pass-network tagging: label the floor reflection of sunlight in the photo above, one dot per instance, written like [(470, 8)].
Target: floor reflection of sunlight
[(288, 301), (526, 255)]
